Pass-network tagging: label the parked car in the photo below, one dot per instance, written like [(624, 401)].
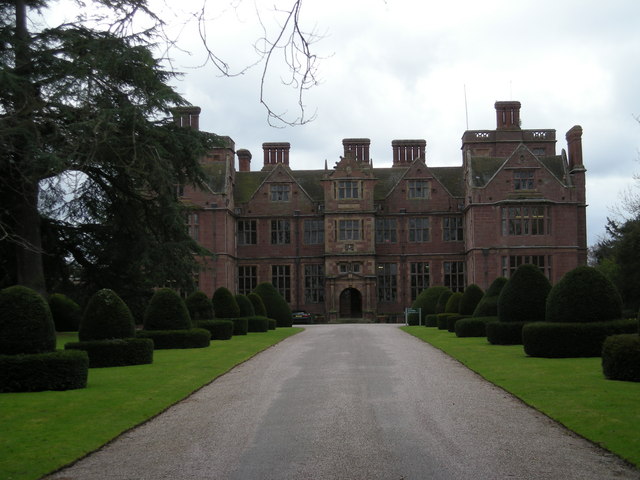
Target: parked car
[(301, 316)]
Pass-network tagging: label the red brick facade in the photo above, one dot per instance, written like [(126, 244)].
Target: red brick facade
[(354, 240)]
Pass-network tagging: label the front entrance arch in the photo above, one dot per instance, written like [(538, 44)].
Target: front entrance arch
[(350, 303)]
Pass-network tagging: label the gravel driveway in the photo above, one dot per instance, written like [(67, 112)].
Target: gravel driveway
[(350, 402)]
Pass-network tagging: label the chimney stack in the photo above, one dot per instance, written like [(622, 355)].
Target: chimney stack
[(187, 116), (244, 160), (406, 151), (574, 143), (359, 147), (275, 153), (508, 115)]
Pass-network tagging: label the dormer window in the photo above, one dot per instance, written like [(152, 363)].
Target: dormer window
[(523, 180), (418, 189), (280, 192), (347, 189)]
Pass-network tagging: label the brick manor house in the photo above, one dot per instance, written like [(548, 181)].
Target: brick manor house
[(358, 241)]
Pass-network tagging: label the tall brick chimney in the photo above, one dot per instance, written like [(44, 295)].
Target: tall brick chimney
[(359, 147), (244, 160), (574, 144), (406, 151), (508, 115), (188, 116), (275, 153)]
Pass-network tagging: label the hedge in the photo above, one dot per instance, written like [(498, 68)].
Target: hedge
[(117, 352), (523, 298), (225, 304), (572, 339), (272, 324), (166, 311), (452, 320), (240, 325), (258, 304), (60, 370), (170, 339), (442, 319), (473, 327), (219, 329), (106, 317), (245, 305), (505, 333), (621, 357), (199, 306), (488, 305), (470, 299), (275, 304), (257, 323), (427, 300), (430, 320)]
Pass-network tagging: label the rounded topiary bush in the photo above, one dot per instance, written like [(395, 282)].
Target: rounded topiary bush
[(453, 304), (473, 327), (442, 321), (583, 295), (66, 313), (26, 325), (523, 298), (470, 299), (442, 300), (246, 307), (224, 304), (258, 304), (427, 300), (199, 306), (452, 320), (219, 329), (275, 305), (488, 305), (621, 357), (166, 311), (105, 317)]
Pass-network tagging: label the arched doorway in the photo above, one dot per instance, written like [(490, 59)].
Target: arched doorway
[(350, 303)]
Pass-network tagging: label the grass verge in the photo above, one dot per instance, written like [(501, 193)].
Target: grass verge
[(43, 431), (572, 391)]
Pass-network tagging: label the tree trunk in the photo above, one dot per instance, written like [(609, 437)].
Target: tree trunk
[(30, 271)]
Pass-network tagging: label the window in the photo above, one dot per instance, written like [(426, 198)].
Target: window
[(313, 232), (348, 189), (526, 220), (247, 279), (387, 282), (386, 230), (419, 277), (418, 189), (313, 283), (454, 276), (280, 192), (346, 267), (281, 279), (280, 232), (349, 230), (193, 226), (452, 230), (523, 180), (419, 229), (247, 232), (512, 262)]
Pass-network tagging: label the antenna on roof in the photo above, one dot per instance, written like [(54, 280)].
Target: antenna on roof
[(466, 110)]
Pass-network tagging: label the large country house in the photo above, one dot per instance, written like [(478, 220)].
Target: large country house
[(354, 240)]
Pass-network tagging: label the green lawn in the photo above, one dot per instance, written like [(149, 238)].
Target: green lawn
[(572, 391), (43, 431)]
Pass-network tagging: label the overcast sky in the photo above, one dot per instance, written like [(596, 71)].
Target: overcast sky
[(399, 69)]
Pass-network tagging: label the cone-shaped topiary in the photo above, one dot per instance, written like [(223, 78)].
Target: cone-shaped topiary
[(166, 311), (66, 313), (470, 299), (258, 304), (524, 296), (106, 317), (453, 304), (199, 306), (442, 300), (26, 325), (488, 305), (428, 299), (275, 304), (224, 304), (583, 295), (246, 307)]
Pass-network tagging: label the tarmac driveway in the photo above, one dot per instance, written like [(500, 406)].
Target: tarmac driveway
[(350, 402)]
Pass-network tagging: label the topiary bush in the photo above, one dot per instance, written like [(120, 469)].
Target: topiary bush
[(258, 304), (257, 323), (571, 339), (116, 352), (453, 304), (583, 295), (272, 324), (427, 300), (224, 304), (442, 301), (275, 305), (199, 306), (621, 357), (430, 320), (246, 307), (443, 319), (473, 327), (26, 325), (61, 370), (65, 312), (452, 320), (219, 329), (105, 317), (505, 333), (523, 298), (170, 339), (488, 305), (470, 299), (166, 311)]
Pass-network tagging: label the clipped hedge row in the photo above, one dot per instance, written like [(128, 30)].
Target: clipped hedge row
[(430, 320), (621, 357), (443, 318), (569, 340), (219, 329), (505, 333), (60, 370), (240, 325), (258, 323), (116, 352), (452, 320), (473, 327), (272, 324), (169, 339)]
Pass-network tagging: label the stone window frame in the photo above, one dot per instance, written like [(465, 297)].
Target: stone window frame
[(247, 279), (314, 283), (511, 262), (348, 190), (349, 230), (280, 192), (418, 189), (453, 229), (387, 282), (386, 230), (454, 275), (525, 220), (280, 231), (523, 180), (419, 229), (419, 277), (313, 233), (251, 232), (281, 280)]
